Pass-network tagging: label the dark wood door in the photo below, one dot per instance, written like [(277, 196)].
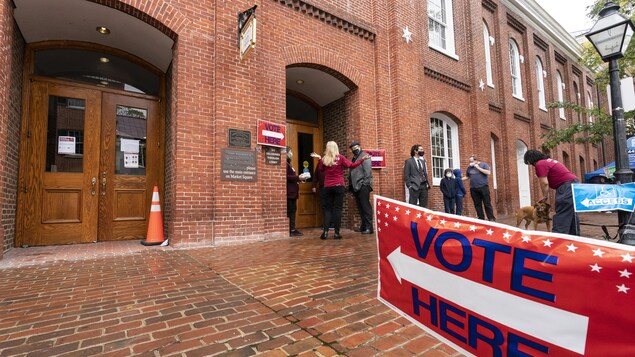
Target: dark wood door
[(58, 193), (130, 166)]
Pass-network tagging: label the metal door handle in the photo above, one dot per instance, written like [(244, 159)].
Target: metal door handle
[(103, 184), (93, 182)]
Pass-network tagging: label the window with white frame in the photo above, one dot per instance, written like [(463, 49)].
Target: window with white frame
[(540, 83), (560, 89), (441, 26), (514, 63), (444, 137), (589, 104), (488, 56)]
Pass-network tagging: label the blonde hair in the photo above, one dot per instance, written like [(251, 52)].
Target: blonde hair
[(330, 154)]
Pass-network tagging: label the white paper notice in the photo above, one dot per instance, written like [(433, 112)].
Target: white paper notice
[(65, 144), (130, 146), (131, 160)]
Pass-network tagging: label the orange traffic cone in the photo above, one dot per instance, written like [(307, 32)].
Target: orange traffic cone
[(155, 223)]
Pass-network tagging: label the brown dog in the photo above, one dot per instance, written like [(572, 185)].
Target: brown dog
[(538, 213)]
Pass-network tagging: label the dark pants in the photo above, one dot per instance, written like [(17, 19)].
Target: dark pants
[(480, 196), (448, 204), (333, 207), (566, 219), (420, 195), (459, 205), (362, 198), (292, 207)]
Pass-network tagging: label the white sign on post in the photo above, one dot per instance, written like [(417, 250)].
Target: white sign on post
[(66, 145)]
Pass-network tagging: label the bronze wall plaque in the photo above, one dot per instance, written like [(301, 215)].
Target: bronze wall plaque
[(239, 138), (272, 155)]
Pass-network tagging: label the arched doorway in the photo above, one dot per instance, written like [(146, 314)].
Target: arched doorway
[(91, 148), (524, 187), (318, 106)]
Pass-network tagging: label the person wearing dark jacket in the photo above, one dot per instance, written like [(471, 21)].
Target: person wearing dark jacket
[(361, 184), (293, 189), (448, 188), (460, 192)]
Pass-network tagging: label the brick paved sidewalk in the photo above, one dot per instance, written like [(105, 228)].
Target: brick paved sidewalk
[(295, 297)]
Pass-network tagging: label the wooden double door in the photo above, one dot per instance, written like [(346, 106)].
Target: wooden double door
[(89, 162)]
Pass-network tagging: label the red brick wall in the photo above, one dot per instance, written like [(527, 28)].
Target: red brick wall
[(397, 86), (10, 111)]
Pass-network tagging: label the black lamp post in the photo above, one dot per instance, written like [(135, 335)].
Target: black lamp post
[(610, 36)]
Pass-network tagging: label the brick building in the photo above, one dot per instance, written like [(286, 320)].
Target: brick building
[(459, 77)]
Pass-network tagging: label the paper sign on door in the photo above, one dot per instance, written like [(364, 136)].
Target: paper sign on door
[(131, 160), (65, 144), (130, 146)]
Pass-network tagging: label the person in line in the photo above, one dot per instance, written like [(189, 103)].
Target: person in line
[(318, 184), (460, 191), (478, 174), (333, 165), (361, 183), (448, 188), (553, 174), (415, 175), (293, 189)]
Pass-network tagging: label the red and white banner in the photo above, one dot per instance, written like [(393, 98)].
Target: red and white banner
[(489, 289), (271, 134)]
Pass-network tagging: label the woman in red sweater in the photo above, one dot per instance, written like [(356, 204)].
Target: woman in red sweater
[(333, 165)]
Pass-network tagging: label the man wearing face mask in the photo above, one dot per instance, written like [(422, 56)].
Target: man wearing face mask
[(361, 183), (415, 175)]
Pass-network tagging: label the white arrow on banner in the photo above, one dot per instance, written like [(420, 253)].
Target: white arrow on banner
[(585, 203), (559, 327)]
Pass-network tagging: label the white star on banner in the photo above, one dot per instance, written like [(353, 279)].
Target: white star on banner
[(429, 218), (408, 212), (441, 221), (379, 229), (388, 205), (418, 215), (595, 267), (625, 274), (378, 212), (490, 232), (386, 224), (526, 239), (397, 208), (407, 35), (627, 257), (378, 220), (472, 228), (457, 224), (571, 248), (547, 243), (379, 203), (506, 235), (598, 253), (622, 289), (394, 218), (386, 215)]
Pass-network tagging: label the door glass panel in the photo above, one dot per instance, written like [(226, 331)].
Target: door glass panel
[(130, 155), (65, 134), (305, 148)]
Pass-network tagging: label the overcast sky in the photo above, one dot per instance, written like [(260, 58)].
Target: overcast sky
[(571, 14)]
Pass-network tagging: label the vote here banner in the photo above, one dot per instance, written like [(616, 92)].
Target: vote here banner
[(489, 289)]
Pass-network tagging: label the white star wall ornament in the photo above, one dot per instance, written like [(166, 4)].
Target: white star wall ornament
[(481, 85), (407, 35)]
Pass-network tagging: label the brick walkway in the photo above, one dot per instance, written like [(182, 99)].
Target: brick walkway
[(295, 297)]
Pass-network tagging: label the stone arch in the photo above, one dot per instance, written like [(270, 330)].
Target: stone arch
[(327, 61)]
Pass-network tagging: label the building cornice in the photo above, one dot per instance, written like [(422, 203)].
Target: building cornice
[(541, 21)]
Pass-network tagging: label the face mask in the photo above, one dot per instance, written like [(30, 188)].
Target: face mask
[(448, 175), (290, 155), (356, 152), (421, 153)]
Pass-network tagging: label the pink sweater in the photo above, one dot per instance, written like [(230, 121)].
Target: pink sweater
[(335, 173)]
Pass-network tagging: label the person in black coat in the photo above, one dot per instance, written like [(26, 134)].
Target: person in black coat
[(293, 189), (448, 188)]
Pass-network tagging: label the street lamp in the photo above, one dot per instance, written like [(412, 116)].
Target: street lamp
[(610, 36)]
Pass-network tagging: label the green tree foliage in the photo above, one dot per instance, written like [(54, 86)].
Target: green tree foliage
[(602, 124)]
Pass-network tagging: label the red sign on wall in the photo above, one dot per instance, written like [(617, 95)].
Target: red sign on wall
[(489, 289), (378, 158), (272, 134)]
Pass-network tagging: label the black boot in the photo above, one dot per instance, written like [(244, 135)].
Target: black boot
[(325, 234), (337, 235)]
